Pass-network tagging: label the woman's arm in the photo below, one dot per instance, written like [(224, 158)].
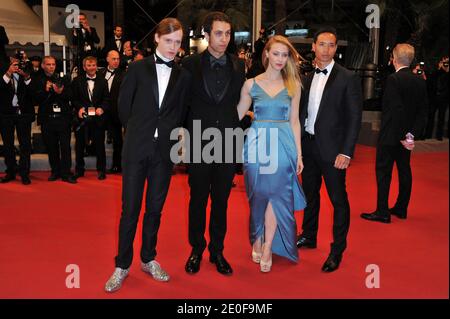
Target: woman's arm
[(295, 125), (246, 100)]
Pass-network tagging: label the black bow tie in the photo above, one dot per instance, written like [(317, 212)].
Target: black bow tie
[(89, 79), (222, 61), (324, 71), (109, 71), (161, 61)]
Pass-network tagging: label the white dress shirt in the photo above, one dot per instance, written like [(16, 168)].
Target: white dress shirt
[(163, 73), (90, 86), (109, 77), (15, 78), (315, 97)]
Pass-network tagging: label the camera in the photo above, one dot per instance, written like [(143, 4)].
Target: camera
[(57, 79), (24, 65)]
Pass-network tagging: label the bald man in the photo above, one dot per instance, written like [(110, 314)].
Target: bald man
[(114, 76), (404, 113)]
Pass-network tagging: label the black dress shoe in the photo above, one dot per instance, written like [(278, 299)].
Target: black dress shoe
[(193, 263), (115, 170), (332, 263), (53, 177), (303, 242), (101, 176), (7, 178), (395, 212), (221, 264), (26, 180), (376, 217), (69, 179)]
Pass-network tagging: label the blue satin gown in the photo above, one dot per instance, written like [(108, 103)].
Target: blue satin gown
[(270, 161)]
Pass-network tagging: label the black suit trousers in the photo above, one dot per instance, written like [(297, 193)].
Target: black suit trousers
[(314, 169), (157, 172), (56, 134), (386, 156), (206, 180), (97, 128), (23, 128)]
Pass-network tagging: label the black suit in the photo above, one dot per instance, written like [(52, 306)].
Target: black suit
[(144, 156), (16, 119), (112, 45), (336, 131), (213, 179), (85, 45), (4, 61), (404, 110), (55, 118), (97, 124), (113, 121)]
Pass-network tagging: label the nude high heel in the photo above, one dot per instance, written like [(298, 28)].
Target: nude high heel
[(256, 257), (265, 266)]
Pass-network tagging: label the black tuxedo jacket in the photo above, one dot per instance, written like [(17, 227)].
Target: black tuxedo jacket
[(202, 106), (111, 45), (140, 113), (115, 89), (100, 95), (24, 95), (339, 117), (404, 108), (90, 38)]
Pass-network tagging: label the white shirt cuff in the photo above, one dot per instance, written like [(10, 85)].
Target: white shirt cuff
[(346, 156), (6, 79)]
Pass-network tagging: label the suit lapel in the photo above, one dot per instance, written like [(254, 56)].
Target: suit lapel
[(170, 86), (326, 90), (154, 79), (202, 75)]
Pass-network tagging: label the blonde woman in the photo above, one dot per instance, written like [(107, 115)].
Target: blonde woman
[(272, 153)]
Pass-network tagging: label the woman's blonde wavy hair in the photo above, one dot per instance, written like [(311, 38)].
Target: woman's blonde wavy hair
[(290, 72)]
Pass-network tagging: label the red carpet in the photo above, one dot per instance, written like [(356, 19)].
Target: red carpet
[(46, 226)]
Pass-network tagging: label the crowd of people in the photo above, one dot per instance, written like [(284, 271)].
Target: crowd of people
[(311, 121)]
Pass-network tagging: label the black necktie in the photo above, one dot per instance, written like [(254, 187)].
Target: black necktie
[(222, 61), (324, 71), (161, 61)]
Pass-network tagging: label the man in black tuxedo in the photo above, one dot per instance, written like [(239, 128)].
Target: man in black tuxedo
[(331, 118), (214, 94), (16, 115), (114, 76), (90, 98), (116, 41), (84, 38), (4, 61), (52, 93), (151, 102), (403, 116)]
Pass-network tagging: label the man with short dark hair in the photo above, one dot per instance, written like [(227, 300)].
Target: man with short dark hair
[(214, 94), (16, 115), (330, 117)]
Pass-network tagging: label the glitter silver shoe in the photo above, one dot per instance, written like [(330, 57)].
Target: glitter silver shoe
[(154, 268), (115, 281)]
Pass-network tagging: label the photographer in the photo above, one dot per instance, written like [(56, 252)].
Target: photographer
[(84, 38), (16, 115), (55, 118), (90, 98), (442, 96)]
